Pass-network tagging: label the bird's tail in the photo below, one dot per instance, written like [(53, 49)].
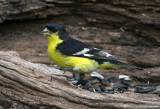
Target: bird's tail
[(114, 63), (130, 66)]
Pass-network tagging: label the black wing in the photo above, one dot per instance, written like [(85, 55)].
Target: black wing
[(73, 47)]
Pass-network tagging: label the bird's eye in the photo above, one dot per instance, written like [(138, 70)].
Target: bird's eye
[(54, 30), (51, 29)]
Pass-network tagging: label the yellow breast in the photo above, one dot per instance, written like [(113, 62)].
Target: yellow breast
[(85, 64)]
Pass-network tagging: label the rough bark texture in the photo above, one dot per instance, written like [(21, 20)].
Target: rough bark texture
[(128, 29), (26, 85)]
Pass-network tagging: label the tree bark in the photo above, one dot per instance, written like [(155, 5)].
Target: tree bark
[(27, 85)]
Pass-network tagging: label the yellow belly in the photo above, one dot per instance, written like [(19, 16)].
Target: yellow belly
[(85, 65), (108, 65)]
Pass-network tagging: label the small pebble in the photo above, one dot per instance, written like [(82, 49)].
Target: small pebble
[(126, 82), (103, 88), (125, 77), (142, 85), (99, 82), (144, 90), (87, 86), (97, 75), (113, 79), (120, 88), (93, 81), (91, 89), (105, 82), (98, 89), (108, 79), (83, 82)]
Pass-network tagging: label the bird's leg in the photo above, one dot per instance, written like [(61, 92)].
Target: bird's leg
[(81, 77), (76, 76)]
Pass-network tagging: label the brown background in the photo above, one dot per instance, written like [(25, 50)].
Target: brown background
[(125, 28), (128, 29)]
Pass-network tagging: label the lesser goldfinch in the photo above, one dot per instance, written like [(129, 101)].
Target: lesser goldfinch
[(74, 55)]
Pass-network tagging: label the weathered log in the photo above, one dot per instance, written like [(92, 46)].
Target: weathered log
[(27, 85)]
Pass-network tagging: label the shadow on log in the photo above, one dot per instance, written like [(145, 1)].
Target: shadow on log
[(27, 85)]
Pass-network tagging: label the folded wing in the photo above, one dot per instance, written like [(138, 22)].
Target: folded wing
[(73, 47)]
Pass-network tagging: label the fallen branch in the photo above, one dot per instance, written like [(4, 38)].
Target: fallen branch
[(25, 84)]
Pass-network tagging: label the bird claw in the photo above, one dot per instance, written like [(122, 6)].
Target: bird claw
[(77, 78)]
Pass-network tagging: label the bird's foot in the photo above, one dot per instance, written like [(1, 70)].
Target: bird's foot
[(77, 78), (81, 77)]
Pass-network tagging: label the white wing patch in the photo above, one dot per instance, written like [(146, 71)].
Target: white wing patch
[(82, 52), (88, 55), (94, 53), (105, 54)]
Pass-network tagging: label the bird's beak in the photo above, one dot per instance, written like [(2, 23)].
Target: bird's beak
[(44, 31)]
